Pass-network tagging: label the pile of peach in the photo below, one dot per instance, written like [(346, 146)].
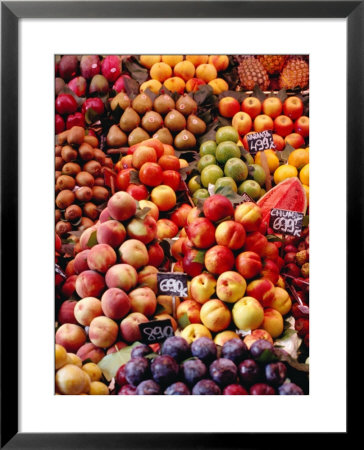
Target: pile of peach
[(235, 273), (80, 185), (179, 73)]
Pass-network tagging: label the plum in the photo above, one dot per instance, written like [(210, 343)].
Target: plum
[(234, 389), (262, 389), (141, 350), (275, 373), (205, 349), (262, 351), (120, 376), (177, 347), (164, 370), (234, 349), (193, 370), (148, 387), (137, 370), (206, 387), (127, 389), (248, 372), (223, 371), (177, 388), (290, 389)]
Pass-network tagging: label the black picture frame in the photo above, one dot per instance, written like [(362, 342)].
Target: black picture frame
[(11, 13)]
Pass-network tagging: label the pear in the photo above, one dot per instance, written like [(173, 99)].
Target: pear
[(164, 135), (142, 103), (163, 104), (115, 137), (175, 121), (121, 100), (129, 120), (98, 84), (185, 139), (152, 121), (186, 105), (195, 124), (137, 135)]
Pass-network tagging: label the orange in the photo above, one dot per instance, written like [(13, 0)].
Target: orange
[(272, 159), (305, 175), (299, 158), (283, 172)]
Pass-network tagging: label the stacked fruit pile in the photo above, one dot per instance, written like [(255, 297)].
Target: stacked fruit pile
[(152, 165)]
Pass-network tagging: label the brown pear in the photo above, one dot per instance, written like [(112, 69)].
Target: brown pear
[(164, 135), (185, 139), (121, 100), (175, 121), (163, 104), (142, 103), (195, 125), (152, 121), (129, 120), (137, 135), (186, 105), (115, 137)]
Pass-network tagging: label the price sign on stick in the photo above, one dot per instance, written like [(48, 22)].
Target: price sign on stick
[(172, 283), (156, 331), (245, 198), (286, 222), (260, 141)]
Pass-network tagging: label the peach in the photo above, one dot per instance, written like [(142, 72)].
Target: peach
[(185, 70), (179, 216), (72, 380), (166, 301), (129, 326), (134, 252), (70, 336), (156, 254), (66, 312), (121, 206), (142, 155), (281, 301), (177, 267), (270, 271), (262, 290), (221, 62), (104, 216), (122, 276), (101, 257), (85, 237), (69, 286), (172, 60), (143, 300), (191, 308), (154, 211), (217, 207), (196, 60), (225, 336), (201, 232), (271, 251), (166, 229), (87, 309), (281, 283), (116, 347), (90, 351), (230, 287), (273, 322), (60, 356), (255, 335), (153, 85), (80, 261), (247, 313), (164, 197), (147, 277), (111, 233), (115, 303), (148, 60), (195, 331), (175, 84), (203, 287), (248, 264), (89, 284), (249, 215), (231, 234), (98, 388), (219, 259), (176, 248), (145, 230), (255, 242), (206, 72), (215, 315), (218, 85), (165, 316), (160, 71), (192, 262), (103, 331), (194, 84)]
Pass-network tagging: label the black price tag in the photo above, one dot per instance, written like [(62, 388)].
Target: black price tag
[(245, 198), (172, 283), (156, 331), (286, 222), (260, 141)]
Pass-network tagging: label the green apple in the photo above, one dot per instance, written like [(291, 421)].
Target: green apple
[(205, 161), (208, 148), (258, 173), (210, 174), (226, 181), (200, 194), (226, 150), (193, 184), (236, 169), (227, 133), (250, 187)]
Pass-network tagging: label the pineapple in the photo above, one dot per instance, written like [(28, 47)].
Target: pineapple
[(294, 74), (272, 63), (251, 72)]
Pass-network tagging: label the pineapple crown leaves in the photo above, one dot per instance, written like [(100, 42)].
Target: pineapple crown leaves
[(137, 72)]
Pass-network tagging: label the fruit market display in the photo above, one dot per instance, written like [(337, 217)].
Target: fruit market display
[(156, 178)]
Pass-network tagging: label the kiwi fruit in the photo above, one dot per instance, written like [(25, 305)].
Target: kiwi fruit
[(99, 181), (76, 135), (65, 198), (93, 167), (63, 227), (65, 182), (99, 194), (58, 150), (68, 153), (85, 179), (163, 104), (92, 140), (71, 169), (73, 213), (99, 156), (86, 151), (83, 194), (58, 215), (59, 163), (62, 137), (57, 174), (152, 121), (109, 163)]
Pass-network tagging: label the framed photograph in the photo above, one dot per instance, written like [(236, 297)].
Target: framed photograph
[(325, 40)]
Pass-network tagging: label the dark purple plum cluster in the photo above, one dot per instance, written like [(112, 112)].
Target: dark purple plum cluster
[(199, 369)]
